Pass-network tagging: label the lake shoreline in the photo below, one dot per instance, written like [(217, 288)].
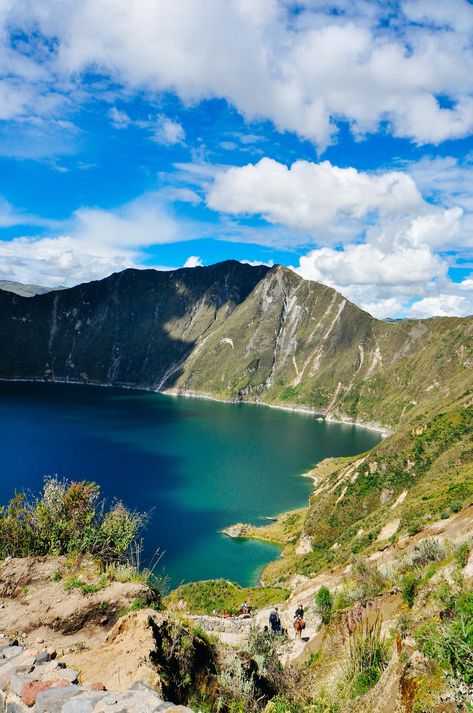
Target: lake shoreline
[(269, 533), (383, 430), (174, 393)]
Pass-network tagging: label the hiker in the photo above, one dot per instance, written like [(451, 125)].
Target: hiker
[(299, 613), (244, 608), (299, 626), (275, 621)]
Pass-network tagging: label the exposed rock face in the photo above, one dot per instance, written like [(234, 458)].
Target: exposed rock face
[(37, 604), (304, 546), (146, 656), (32, 681), (151, 648), (238, 333)]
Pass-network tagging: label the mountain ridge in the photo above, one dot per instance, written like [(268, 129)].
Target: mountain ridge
[(237, 332)]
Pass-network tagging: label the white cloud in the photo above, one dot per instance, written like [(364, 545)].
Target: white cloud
[(442, 305), (311, 196), (257, 263), (388, 240), (93, 244), (303, 72), (119, 118), (162, 129), (58, 261), (367, 264), (193, 261), (168, 132)]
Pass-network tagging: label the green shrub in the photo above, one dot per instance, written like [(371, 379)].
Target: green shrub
[(324, 604), (367, 578), (253, 675), (67, 518), (409, 584), (444, 515), (456, 506), (450, 641), (76, 583), (427, 551), (285, 705), (462, 554), (414, 528)]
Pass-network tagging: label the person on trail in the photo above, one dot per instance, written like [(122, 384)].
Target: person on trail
[(299, 626), (299, 613), (275, 621)]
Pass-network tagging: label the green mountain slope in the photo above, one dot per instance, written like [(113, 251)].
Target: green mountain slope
[(238, 332), (22, 289), (298, 343), (422, 473), (136, 327)]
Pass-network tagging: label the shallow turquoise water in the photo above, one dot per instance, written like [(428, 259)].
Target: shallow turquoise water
[(198, 465)]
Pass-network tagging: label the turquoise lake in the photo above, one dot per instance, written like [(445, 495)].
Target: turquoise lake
[(197, 465)]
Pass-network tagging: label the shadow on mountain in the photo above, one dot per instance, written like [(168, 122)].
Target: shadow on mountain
[(135, 328)]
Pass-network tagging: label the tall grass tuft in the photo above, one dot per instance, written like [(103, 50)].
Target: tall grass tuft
[(367, 655)]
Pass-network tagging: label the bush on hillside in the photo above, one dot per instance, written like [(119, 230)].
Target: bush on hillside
[(427, 551), (324, 604), (409, 585), (450, 642), (285, 705), (462, 554), (251, 677), (68, 517), (367, 579)]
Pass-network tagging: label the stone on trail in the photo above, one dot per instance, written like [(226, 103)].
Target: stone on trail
[(12, 651), (53, 700), (32, 689), (84, 703)]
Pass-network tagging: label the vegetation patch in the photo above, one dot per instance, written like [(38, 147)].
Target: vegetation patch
[(221, 595), (68, 518)]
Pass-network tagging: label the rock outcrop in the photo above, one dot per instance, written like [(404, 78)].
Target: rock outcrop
[(31, 680)]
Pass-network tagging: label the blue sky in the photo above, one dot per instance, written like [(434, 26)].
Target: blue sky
[(335, 138)]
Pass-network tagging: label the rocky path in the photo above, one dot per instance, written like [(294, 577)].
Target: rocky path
[(32, 680), (233, 631)]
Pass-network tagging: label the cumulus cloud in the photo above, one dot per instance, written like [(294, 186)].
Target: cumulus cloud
[(57, 261), (368, 264), (311, 195), (93, 244), (442, 305), (307, 70), (193, 261), (396, 241)]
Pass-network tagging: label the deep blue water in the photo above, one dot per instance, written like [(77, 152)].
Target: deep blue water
[(197, 465)]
